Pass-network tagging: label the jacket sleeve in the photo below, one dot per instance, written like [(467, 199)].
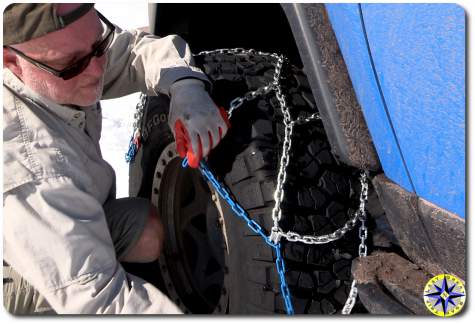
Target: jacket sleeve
[(56, 237), (138, 61)]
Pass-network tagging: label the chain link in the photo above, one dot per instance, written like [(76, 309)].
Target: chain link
[(322, 239), (363, 232), (360, 214), (362, 248), (280, 265), (254, 226), (250, 95), (304, 120), (285, 156), (137, 124), (235, 206), (135, 140), (351, 300)]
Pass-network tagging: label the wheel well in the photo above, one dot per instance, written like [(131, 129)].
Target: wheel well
[(207, 26)]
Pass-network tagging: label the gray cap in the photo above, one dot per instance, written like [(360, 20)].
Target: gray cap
[(25, 21)]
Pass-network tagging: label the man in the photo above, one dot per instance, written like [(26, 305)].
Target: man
[(64, 232)]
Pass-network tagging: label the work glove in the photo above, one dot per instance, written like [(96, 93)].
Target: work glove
[(196, 122)]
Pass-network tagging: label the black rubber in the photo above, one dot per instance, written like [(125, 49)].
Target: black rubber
[(320, 193), (156, 135)]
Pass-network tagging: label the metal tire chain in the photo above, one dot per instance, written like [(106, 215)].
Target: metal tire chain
[(362, 248), (276, 232), (256, 228), (253, 225), (135, 140)]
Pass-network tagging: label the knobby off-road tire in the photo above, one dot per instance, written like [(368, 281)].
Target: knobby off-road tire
[(321, 194)]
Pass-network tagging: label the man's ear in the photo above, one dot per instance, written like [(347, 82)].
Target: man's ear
[(10, 61)]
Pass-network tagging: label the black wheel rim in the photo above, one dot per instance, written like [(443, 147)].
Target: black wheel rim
[(193, 262)]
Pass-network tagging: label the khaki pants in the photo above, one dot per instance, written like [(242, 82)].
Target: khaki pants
[(126, 219), (21, 298)]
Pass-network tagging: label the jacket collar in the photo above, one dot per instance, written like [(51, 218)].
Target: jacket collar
[(72, 116)]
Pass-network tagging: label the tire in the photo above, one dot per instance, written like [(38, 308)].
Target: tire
[(320, 196)]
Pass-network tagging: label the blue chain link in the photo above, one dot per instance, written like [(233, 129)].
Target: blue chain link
[(279, 262), (255, 227), (132, 151)]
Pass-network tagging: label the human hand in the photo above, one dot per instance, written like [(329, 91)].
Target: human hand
[(198, 125)]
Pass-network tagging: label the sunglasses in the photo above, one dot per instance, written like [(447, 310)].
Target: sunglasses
[(80, 65)]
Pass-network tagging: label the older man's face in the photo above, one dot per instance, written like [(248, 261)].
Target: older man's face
[(58, 50)]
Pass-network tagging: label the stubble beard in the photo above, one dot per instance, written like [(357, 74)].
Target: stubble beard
[(80, 96), (98, 94)]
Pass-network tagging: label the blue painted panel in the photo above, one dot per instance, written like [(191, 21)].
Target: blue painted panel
[(346, 22), (418, 52)]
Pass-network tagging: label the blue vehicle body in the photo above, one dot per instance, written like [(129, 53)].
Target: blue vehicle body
[(407, 66)]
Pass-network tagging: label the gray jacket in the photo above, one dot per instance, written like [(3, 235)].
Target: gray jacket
[(56, 181)]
